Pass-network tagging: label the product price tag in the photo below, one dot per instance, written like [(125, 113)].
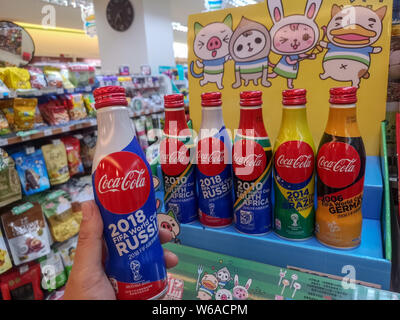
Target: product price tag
[(93, 122), (25, 138), (48, 132), (65, 129)]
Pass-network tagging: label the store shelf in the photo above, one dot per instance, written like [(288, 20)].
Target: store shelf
[(368, 259), (47, 131), (32, 93)]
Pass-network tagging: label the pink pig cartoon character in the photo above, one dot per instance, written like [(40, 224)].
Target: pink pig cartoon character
[(292, 37), (240, 292)]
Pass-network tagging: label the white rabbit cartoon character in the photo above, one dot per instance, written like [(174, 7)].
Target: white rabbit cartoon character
[(240, 292), (292, 37)]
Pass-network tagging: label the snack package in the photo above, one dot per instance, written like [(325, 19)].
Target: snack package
[(4, 91), (81, 75), (53, 110), (22, 283), (37, 78), (16, 78), (32, 171), (75, 106), (53, 272), (64, 75), (141, 132), (24, 227), (39, 122), (7, 107), (10, 187), (88, 99), (57, 209), (5, 260), (56, 161), (53, 76), (67, 250), (24, 113), (4, 127), (88, 146), (73, 148)]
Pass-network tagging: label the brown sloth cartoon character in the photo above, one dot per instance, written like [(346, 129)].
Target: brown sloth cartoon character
[(249, 47)]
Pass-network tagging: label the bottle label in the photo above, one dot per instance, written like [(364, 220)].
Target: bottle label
[(294, 190), (252, 159), (214, 181), (124, 193), (340, 170), (179, 177)]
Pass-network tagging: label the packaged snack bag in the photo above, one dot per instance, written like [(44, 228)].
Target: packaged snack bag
[(81, 75), (32, 171), (75, 105), (24, 113), (53, 110), (16, 78), (37, 78), (22, 283), (4, 127), (5, 260), (67, 250), (88, 99), (58, 211), (10, 188), (24, 227), (56, 161), (64, 75), (88, 146), (73, 148), (7, 106), (53, 76), (53, 272)]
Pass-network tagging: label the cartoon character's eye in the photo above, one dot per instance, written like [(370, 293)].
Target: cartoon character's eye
[(371, 25), (283, 40), (258, 40), (239, 47), (201, 44), (226, 39), (173, 224), (306, 37)]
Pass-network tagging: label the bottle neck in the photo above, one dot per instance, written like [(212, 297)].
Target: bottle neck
[(294, 116), (342, 121), (251, 118), (211, 118), (175, 122)]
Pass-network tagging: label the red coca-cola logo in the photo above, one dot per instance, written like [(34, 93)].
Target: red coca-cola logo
[(122, 182), (174, 156), (338, 164), (249, 159), (294, 161), (212, 156)]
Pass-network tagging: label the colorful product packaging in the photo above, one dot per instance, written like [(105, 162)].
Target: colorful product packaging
[(24, 227), (75, 106), (4, 127), (53, 76), (81, 75), (141, 132), (55, 157), (57, 208), (37, 78), (73, 147), (7, 107), (16, 78), (10, 188), (22, 284), (88, 146), (67, 250), (5, 260), (24, 113), (53, 272), (53, 111), (88, 99), (32, 171)]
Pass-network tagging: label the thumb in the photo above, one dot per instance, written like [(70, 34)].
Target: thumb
[(88, 254)]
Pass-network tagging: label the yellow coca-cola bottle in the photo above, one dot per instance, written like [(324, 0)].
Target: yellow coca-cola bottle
[(340, 171)]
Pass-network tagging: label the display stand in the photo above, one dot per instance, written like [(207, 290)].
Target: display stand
[(370, 264)]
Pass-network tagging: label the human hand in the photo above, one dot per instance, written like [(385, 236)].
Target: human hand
[(88, 280)]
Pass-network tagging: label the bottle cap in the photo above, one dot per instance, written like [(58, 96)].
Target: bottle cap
[(211, 99), (250, 98), (173, 101), (109, 96), (343, 95), (294, 97)]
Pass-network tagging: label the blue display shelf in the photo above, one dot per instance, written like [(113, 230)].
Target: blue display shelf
[(368, 259)]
